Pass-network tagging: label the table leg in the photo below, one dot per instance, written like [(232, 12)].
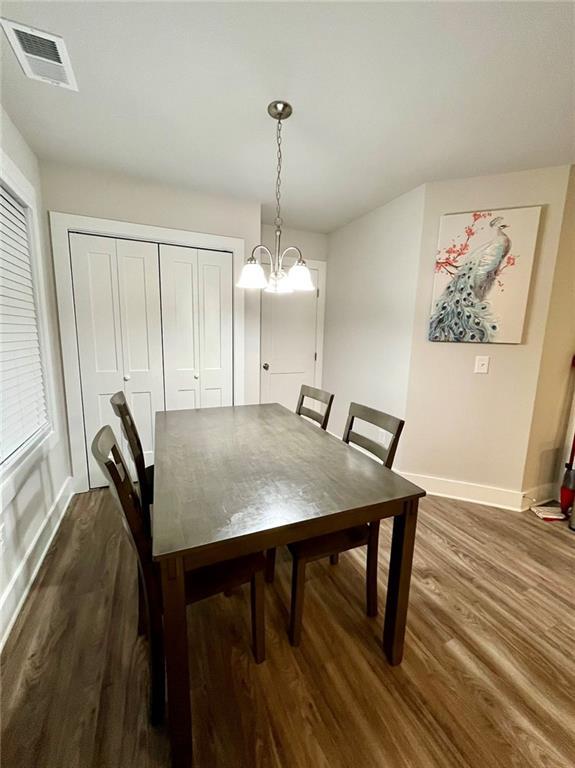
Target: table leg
[(402, 546), (176, 649)]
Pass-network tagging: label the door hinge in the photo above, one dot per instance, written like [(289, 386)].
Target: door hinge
[(317, 292), (315, 356)]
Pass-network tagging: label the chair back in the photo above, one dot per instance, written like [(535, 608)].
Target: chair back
[(319, 395), (122, 410), (107, 453), (390, 424)]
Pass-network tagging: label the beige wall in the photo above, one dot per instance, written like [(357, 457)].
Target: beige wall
[(556, 383), (462, 426), (313, 245), (114, 196), (33, 496), (371, 283)]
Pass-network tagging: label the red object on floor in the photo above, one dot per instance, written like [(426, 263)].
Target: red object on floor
[(567, 497)]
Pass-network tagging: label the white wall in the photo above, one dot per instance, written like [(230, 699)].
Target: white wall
[(468, 428), (547, 452), (486, 438), (108, 195), (371, 284), (36, 494), (313, 245)]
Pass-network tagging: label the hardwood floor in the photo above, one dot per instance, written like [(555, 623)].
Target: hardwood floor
[(487, 680)]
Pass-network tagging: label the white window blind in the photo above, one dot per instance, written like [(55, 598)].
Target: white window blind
[(22, 396)]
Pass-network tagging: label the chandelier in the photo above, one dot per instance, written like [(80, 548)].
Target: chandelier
[(298, 277)]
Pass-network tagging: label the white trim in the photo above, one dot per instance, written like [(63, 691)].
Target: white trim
[(61, 224), (321, 267), (504, 498), (23, 189), (18, 587)]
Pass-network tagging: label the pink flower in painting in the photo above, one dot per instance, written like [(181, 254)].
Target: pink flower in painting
[(510, 261), (476, 216), (469, 231)]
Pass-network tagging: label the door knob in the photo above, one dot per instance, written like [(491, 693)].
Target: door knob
[(126, 378), (196, 376), (266, 366)]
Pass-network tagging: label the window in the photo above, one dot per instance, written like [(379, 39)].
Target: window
[(23, 412)]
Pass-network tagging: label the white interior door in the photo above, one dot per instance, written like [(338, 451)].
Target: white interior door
[(290, 342), (139, 296), (116, 300), (197, 327), (179, 278), (215, 327)]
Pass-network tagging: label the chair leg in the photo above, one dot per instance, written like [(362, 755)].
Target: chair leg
[(142, 609), (258, 616), (270, 565), (334, 559), (371, 571), (157, 676), (297, 595)]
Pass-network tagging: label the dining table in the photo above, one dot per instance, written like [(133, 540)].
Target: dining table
[(236, 480)]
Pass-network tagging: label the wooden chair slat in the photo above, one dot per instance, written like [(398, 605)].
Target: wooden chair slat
[(315, 415), (377, 449)]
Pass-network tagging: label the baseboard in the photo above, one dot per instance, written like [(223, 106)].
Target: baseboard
[(19, 585), (504, 498)]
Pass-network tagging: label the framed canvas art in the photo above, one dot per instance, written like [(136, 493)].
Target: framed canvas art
[(482, 272)]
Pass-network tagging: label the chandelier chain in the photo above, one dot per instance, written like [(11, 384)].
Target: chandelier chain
[(278, 221)]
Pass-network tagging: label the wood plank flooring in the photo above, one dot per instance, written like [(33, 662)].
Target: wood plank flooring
[(488, 678)]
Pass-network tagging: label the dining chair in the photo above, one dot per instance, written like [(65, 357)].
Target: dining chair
[(144, 474), (320, 396), (200, 583), (333, 544)]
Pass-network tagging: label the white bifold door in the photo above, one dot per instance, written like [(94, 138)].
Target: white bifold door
[(154, 321), (117, 304), (197, 327)]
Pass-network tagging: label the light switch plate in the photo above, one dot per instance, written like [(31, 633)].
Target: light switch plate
[(481, 364)]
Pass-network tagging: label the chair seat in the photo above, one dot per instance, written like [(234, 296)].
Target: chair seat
[(331, 543), (213, 579)]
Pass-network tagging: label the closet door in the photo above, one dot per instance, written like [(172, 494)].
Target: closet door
[(197, 327), (117, 305), (179, 277), (139, 294), (215, 325)]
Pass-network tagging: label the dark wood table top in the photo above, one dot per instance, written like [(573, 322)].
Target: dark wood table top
[(229, 481)]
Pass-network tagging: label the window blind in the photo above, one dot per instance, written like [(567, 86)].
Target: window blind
[(22, 396)]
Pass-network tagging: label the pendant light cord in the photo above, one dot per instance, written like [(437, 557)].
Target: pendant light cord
[(278, 221)]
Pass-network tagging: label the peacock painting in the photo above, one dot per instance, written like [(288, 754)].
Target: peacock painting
[(482, 272)]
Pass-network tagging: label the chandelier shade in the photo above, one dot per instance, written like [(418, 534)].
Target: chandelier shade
[(253, 276)]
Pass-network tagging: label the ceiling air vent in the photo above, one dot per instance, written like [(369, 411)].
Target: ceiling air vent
[(42, 56)]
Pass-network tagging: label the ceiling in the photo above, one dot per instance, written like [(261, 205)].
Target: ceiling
[(386, 96)]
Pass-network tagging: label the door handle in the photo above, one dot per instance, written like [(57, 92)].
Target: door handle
[(126, 378), (196, 376), (266, 366)]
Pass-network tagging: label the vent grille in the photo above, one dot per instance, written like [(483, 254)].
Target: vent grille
[(42, 55), (38, 46), (48, 70)]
